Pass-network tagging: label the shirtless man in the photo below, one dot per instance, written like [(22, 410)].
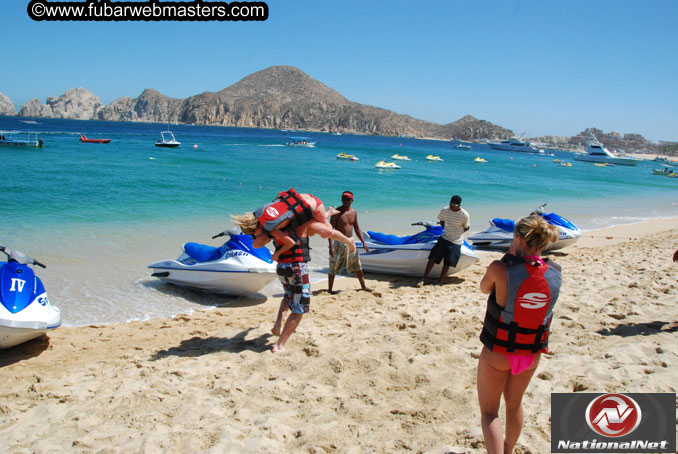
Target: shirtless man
[(340, 256)]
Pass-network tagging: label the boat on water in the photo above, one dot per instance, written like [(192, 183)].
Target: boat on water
[(434, 158), (479, 159), (235, 268), (20, 139), (386, 165), (347, 157), (299, 141), (83, 138), (167, 140), (597, 153), (400, 158), (515, 144), (564, 164), (666, 171), (408, 255)]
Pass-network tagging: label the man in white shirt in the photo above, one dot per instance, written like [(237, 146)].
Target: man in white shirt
[(455, 221)]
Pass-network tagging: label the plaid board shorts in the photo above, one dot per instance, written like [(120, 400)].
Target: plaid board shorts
[(343, 259), (297, 285)]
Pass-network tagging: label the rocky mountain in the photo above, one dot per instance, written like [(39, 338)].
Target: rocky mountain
[(77, 103), (6, 106), (281, 97)]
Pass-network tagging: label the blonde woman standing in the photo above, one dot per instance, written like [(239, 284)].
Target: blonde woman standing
[(523, 289)]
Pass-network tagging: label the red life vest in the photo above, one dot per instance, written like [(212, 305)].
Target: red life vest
[(287, 205), (522, 326), (300, 252)]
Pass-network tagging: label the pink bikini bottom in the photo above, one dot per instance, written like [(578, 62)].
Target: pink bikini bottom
[(520, 363)]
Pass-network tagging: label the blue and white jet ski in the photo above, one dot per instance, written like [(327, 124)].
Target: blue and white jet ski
[(235, 268), (408, 255), (500, 233), (25, 312)]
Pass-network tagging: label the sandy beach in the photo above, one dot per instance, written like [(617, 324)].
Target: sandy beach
[(391, 371)]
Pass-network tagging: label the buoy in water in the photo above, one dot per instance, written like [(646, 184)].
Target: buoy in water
[(195, 146)]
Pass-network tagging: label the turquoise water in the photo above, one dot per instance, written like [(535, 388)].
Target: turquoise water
[(99, 213)]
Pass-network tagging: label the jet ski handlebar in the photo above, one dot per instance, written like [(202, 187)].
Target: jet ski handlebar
[(230, 232), (20, 257), (540, 210)]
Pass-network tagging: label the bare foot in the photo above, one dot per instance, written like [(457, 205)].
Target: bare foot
[(420, 284), (365, 289), (351, 245), (333, 292), (276, 330), (279, 348)]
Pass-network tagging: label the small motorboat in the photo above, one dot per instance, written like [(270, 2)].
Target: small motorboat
[(500, 233), (480, 160), (666, 171), (83, 138), (400, 158), (20, 139), (299, 142), (564, 164), (347, 157), (601, 164), (167, 140), (235, 268), (408, 255), (386, 165), (434, 158), (25, 310), (462, 146)]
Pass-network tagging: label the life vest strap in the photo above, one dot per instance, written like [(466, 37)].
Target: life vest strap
[(511, 347)]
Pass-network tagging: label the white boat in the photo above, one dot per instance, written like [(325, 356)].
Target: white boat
[(515, 144), (461, 146), (348, 157), (25, 309), (408, 255), (386, 165), (299, 141), (167, 140), (20, 139), (596, 152), (235, 268), (400, 158), (500, 233), (480, 160), (434, 158)]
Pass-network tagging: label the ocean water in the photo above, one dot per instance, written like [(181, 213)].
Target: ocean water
[(98, 214)]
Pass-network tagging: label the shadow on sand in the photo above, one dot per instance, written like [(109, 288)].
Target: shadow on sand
[(27, 350), (640, 329), (199, 346)]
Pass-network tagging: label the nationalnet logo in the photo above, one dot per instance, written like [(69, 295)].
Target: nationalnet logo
[(613, 415), (613, 423)]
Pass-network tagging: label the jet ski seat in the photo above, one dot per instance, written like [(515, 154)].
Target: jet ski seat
[(506, 225), (202, 252)]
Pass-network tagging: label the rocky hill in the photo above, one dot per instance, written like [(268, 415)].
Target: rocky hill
[(6, 106), (77, 103), (282, 97)]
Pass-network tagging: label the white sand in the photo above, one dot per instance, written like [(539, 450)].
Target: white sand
[(392, 371)]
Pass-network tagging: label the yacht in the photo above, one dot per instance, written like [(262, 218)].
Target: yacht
[(596, 152), (515, 144)]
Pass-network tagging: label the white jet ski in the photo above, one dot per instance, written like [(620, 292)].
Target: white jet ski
[(408, 255), (235, 268), (25, 310), (500, 233)]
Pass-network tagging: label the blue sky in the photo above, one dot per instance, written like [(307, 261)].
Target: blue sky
[(538, 67)]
